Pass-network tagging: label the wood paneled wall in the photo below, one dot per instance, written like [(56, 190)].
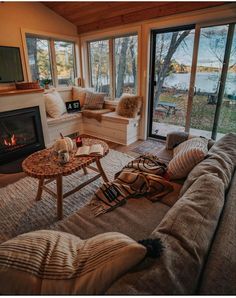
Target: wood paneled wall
[(90, 16)]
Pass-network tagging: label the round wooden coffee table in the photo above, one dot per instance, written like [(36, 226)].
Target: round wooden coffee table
[(45, 166)]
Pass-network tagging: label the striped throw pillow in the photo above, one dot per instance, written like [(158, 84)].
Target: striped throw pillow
[(186, 156), (52, 262), (94, 101)]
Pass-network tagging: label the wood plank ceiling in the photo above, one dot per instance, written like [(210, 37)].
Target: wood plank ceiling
[(90, 16)]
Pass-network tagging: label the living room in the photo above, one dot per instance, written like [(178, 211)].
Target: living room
[(117, 148)]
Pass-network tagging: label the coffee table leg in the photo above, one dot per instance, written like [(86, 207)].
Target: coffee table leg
[(59, 197), (99, 166), (85, 170), (40, 189)]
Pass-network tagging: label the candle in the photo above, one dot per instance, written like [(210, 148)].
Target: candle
[(78, 141)]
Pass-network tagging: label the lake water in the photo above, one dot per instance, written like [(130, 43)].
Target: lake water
[(205, 82)]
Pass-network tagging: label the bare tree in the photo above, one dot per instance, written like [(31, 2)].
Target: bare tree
[(133, 60), (121, 67), (164, 55)]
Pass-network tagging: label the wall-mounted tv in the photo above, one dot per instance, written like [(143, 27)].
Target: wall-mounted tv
[(10, 65)]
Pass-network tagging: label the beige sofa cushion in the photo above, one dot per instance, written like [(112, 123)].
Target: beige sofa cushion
[(221, 160), (50, 262), (54, 104), (186, 232), (186, 156), (219, 275)]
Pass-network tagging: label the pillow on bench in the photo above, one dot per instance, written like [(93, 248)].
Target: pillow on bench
[(129, 105), (94, 100), (54, 104), (79, 93)]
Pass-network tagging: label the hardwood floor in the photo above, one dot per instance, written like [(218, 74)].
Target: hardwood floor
[(135, 149)]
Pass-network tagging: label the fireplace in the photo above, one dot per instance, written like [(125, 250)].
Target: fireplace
[(20, 133)]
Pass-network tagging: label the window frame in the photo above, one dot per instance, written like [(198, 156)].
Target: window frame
[(112, 65), (52, 53)]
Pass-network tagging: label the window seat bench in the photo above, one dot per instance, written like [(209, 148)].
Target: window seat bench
[(112, 127)]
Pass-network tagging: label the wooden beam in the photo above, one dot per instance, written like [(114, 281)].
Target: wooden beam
[(115, 10), (145, 14)]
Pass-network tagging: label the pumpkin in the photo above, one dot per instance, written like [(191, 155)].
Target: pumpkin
[(65, 143)]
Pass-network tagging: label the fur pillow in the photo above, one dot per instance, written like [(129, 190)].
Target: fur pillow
[(129, 105)]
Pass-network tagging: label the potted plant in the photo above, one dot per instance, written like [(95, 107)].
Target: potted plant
[(46, 83)]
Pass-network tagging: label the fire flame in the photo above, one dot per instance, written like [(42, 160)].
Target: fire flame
[(11, 141)]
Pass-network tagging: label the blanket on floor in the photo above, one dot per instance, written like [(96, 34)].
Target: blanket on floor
[(141, 177)]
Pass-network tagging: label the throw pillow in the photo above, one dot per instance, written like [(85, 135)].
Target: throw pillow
[(129, 105), (54, 104), (186, 156), (94, 101), (174, 138), (52, 262), (79, 93)]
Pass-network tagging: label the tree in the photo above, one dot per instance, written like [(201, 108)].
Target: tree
[(132, 48), (164, 53), (121, 66), (32, 53)]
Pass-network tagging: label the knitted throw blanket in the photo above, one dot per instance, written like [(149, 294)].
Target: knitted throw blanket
[(141, 177)]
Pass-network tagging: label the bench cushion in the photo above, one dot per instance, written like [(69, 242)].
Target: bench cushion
[(65, 117), (114, 117)]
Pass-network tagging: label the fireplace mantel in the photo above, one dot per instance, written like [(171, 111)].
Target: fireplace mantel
[(8, 92)]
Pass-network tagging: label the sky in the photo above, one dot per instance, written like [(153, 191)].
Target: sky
[(205, 56)]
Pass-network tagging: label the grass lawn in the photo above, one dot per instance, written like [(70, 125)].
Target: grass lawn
[(202, 113)]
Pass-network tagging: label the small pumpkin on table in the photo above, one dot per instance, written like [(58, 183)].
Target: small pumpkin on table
[(63, 147)]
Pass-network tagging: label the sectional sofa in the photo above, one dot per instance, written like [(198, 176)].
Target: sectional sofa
[(196, 223)]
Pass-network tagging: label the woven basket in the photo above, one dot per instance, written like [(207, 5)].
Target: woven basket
[(27, 85)]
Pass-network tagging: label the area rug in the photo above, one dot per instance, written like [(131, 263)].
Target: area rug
[(150, 147), (20, 213)]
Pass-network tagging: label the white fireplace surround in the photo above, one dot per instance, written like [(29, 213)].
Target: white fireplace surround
[(19, 100)]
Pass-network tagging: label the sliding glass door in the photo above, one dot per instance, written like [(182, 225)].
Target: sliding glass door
[(172, 51), (192, 86), (211, 51)]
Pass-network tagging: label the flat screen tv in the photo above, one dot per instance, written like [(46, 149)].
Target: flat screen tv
[(10, 65)]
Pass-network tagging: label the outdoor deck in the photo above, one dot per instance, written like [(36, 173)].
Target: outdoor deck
[(163, 129)]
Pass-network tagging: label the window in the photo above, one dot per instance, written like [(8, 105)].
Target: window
[(99, 65), (51, 60), (121, 76)]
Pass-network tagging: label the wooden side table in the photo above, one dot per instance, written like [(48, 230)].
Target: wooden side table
[(45, 166)]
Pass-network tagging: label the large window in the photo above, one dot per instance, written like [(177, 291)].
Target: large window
[(51, 60), (113, 65)]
